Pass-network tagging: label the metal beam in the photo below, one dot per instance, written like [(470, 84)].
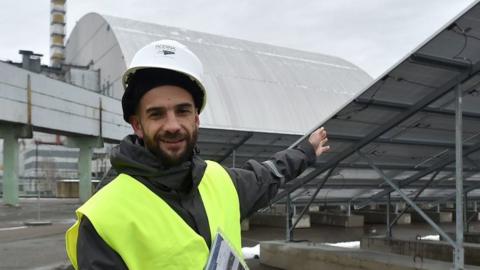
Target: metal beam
[(354, 138), (375, 184), (389, 229), (439, 62), (459, 250), (345, 200), (388, 166), (402, 106), (428, 99)]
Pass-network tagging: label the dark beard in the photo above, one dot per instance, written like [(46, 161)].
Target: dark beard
[(167, 160)]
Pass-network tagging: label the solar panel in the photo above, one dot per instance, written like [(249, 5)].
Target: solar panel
[(404, 123)]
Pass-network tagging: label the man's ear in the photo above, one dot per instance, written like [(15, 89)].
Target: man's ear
[(136, 125), (197, 120)]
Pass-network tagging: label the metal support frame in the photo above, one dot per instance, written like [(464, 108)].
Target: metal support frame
[(437, 166), (428, 99), (419, 192), (307, 206), (409, 201)]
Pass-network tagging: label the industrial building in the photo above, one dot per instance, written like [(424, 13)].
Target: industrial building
[(405, 147)]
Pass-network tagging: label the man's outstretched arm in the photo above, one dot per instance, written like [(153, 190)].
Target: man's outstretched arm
[(257, 183)]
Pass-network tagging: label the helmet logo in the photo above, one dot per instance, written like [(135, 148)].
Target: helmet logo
[(165, 49)]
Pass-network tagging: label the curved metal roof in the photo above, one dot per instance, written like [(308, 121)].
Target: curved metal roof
[(251, 86)]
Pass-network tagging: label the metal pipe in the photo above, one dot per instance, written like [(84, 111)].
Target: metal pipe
[(459, 251), (312, 198)]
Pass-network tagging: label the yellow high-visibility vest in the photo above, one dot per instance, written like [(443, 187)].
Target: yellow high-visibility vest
[(148, 234)]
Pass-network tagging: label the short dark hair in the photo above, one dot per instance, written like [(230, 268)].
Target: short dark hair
[(146, 79)]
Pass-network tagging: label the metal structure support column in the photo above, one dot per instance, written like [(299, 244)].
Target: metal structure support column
[(10, 135), (466, 220), (86, 146), (289, 217), (459, 250), (389, 228)]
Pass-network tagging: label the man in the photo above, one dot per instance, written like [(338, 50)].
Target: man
[(166, 205)]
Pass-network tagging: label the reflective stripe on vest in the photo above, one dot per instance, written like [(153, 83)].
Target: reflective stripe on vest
[(147, 233)]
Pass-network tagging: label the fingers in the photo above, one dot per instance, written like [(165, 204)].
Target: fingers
[(322, 149), (318, 139)]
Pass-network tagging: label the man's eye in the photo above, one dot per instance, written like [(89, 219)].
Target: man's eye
[(155, 114), (184, 111)]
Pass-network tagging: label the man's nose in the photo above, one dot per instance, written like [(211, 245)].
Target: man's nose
[(172, 125)]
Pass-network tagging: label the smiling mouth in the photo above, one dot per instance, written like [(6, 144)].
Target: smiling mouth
[(172, 141), (173, 145)]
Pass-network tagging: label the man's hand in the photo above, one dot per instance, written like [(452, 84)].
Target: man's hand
[(318, 139)]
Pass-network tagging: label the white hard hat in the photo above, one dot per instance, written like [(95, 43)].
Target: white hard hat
[(169, 55)]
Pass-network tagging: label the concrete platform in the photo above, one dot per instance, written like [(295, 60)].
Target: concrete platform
[(310, 256), (376, 217), (435, 250), (470, 237), (336, 219), (278, 220), (437, 217)]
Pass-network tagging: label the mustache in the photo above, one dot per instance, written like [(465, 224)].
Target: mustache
[(171, 136)]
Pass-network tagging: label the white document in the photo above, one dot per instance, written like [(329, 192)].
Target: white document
[(223, 256)]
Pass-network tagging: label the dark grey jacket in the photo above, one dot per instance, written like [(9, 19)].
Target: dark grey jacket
[(256, 183)]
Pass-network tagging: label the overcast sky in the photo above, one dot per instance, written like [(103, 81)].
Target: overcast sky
[(373, 34)]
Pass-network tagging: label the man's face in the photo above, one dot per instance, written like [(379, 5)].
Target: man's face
[(168, 122)]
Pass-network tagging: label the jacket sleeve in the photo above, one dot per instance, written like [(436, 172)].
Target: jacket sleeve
[(93, 253), (257, 183)]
